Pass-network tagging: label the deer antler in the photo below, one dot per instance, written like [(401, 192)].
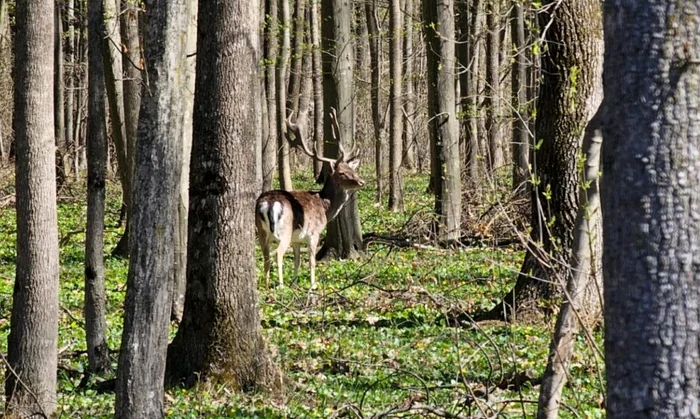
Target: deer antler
[(299, 131), (336, 136)]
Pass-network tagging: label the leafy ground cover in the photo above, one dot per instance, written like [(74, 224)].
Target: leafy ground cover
[(374, 340)]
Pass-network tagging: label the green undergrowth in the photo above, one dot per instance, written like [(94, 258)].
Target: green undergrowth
[(373, 339)]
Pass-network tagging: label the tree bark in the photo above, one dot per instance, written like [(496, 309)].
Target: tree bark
[(375, 42), (317, 70), (585, 275), (651, 204), (285, 174), (269, 145), (141, 370), (132, 68), (32, 346), (492, 101), (570, 93), (95, 297), (409, 132), (70, 83), (521, 111), (58, 98), (439, 34), (344, 233), (297, 57), (396, 111)]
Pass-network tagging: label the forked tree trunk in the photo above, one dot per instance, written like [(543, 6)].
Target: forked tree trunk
[(571, 75), (439, 34), (396, 111), (219, 339), (344, 233), (141, 371), (95, 297), (32, 346), (375, 43), (285, 174), (651, 203), (269, 143)]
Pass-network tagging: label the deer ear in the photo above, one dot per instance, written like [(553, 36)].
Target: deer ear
[(354, 163)]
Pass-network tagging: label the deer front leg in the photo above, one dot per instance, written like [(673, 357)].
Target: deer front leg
[(313, 244)]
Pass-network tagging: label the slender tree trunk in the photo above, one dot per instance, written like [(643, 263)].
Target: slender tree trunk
[(141, 371), (285, 174), (375, 42), (6, 64), (409, 131), (569, 96), (32, 346), (344, 233), (271, 56), (58, 97), (439, 34), (650, 209), (586, 258), (70, 84), (219, 339), (317, 86), (493, 81), (396, 111), (521, 113), (131, 63), (297, 57), (95, 297)]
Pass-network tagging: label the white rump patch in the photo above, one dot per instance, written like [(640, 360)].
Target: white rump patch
[(277, 220)]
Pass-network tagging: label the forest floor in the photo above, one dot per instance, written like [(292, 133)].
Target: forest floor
[(376, 341)]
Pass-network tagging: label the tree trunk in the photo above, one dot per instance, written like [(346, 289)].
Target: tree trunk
[(141, 370), (344, 233), (70, 84), (396, 111), (521, 111), (468, 56), (32, 346), (269, 145), (219, 339), (439, 33), (569, 95), (95, 297), (131, 64), (285, 174), (58, 99), (409, 131), (375, 42), (651, 204), (6, 64), (318, 87), (492, 101), (585, 275), (297, 57), (183, 203)]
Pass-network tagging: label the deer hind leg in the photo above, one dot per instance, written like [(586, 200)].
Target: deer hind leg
[(281, 250), (297, 258), (313, 244)]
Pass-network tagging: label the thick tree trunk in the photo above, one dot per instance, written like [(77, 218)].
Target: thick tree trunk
[(141, 370), (375, 42), (344, 233), (269, 143), (651, 203), (439, 33), (585, 276), (317, 70), (409, 131), (569, 96), (492, 101), (521, 111), (58, 97), (396, 111), (284, 170), (219, 339), (32, 346), (95, 297)]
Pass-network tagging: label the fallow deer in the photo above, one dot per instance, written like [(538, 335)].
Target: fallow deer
[(296, 217)]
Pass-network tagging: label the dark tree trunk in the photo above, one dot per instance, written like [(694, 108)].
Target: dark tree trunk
[(521, 111), (141, 370), (269, 143), (317, 70), (32, 346), (95, 298), (569, 95), (651, 203), (219, 339), (396, 111), (439, 34), (375, 43), (344, 233)]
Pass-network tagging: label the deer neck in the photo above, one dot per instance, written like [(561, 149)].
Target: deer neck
[(334, 198)]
